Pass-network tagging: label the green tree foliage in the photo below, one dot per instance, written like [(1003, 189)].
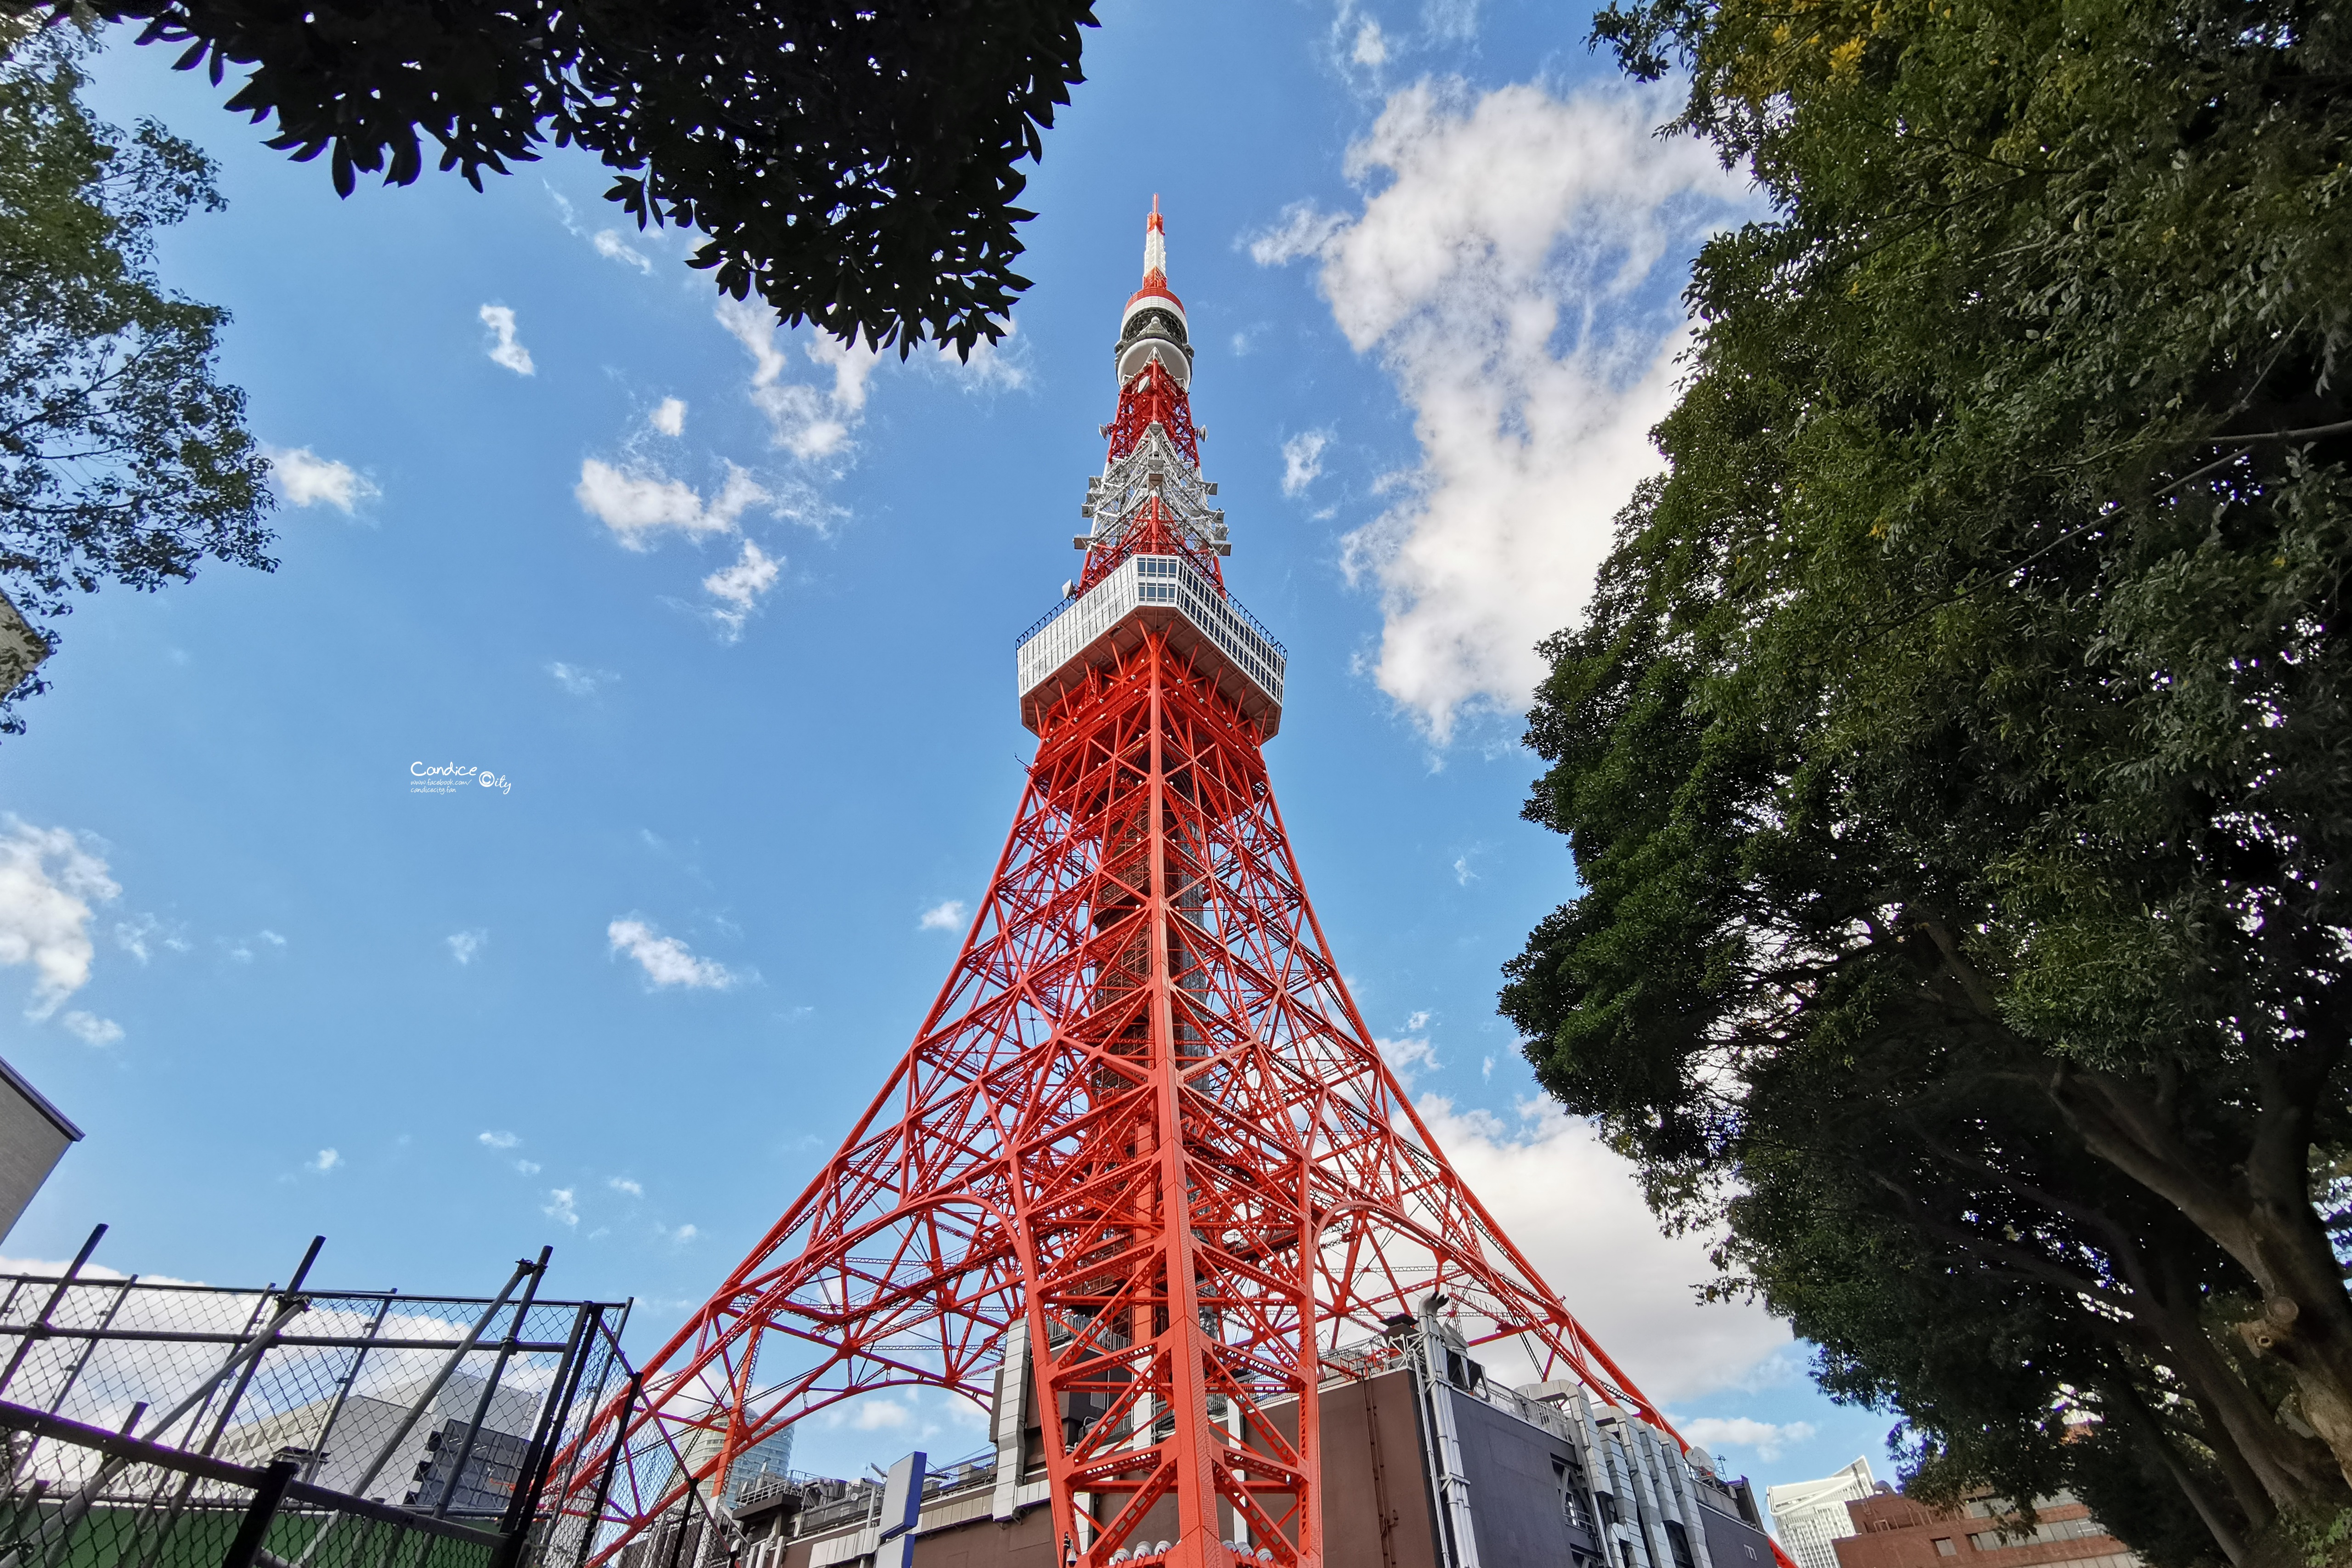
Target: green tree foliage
[(1956, 752), (123, 460), (854, 161)]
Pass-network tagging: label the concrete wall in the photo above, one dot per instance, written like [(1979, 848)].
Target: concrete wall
[(33, 1137), (1376, 1509)]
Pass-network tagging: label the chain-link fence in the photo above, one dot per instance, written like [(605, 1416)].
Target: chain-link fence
[(144, 1423), (104, 1500)]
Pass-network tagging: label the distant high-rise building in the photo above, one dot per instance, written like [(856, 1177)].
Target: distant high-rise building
[(1811, 1515), (772, 1456)]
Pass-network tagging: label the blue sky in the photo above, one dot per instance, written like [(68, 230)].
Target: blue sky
[(731, 618)]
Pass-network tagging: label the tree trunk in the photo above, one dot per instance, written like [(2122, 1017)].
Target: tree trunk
[(2276, 1236), (2292, 1473)]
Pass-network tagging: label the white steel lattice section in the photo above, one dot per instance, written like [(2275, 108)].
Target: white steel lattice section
[(1156, 467)]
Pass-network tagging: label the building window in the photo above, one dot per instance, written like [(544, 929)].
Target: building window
[(1944, 1547)]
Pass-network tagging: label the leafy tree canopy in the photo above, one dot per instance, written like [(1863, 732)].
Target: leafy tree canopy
[(1955, 751), (853, 162), (123, 460)]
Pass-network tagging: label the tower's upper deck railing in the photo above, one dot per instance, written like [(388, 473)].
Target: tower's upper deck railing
[(1097, 626)]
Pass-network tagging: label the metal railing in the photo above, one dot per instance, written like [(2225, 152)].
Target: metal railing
[(154, 1423)]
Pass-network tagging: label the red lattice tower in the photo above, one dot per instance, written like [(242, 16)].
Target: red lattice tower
[(1143, 1145)]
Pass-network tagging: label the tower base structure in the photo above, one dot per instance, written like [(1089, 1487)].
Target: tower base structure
[(1551, 1478)]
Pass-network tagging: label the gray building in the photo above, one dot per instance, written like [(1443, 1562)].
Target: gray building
[(339, 1440), (34, 1135)]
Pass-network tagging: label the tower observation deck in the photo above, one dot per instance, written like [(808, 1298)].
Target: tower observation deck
[(1153, 555), (1142, 1187)]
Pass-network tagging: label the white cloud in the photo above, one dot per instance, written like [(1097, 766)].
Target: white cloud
[(684, 1234), (637, 503), (623, 1185), (273, 939), (50, 1267), (612, 247), (499, 1139), (48, 882), (1415, 1022), (609, 243), (578, 679), (1303, 232), (1738, 1431), (559, 1207), (1462, 875), (133, 935), (328, 1158), (527, 1167), (1413, 1056), (504, 348), (464, 944), (1453, 21), (665, 960), (879, 1414), (1602, 1249), (948, 915), (669, 416), (739, 586), (90, 1030), (1302, 459), (809, 422), (307, 479), (1514, 273), (1371, 48), (992, 367)]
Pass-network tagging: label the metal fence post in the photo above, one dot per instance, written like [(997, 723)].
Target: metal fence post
[(343, 1393), (490, 1386), (604, 1482), (245, 1378), (458, 1353), (39, 1329), (254, 1529), (522, 1508)]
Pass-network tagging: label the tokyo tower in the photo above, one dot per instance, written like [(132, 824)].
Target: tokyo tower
[(1142, 1173)]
